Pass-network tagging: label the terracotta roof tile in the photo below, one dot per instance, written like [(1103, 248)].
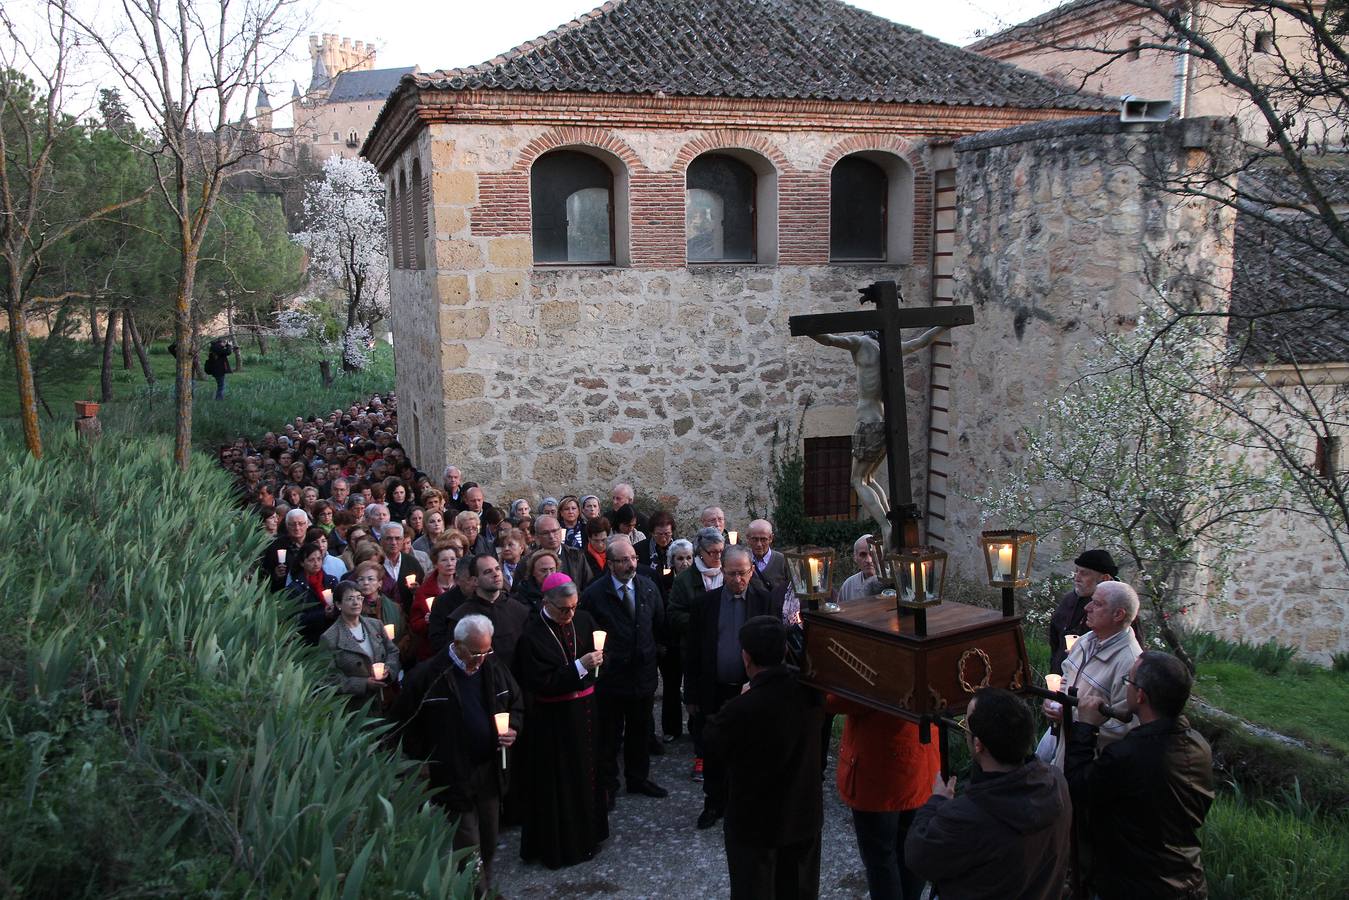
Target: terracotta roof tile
[(771, 49)]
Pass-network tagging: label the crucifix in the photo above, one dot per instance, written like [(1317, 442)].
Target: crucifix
[(882, 431)]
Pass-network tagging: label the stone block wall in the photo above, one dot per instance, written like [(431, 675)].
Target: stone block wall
[(1062, 229), (541, 380)]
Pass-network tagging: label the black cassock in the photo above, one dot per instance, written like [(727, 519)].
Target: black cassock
[(564, 814)]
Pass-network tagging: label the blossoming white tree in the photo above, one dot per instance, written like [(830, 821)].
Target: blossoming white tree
[(346, 243), (1144, 465)]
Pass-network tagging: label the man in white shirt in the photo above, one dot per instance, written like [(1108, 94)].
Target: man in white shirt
[(854, 586)]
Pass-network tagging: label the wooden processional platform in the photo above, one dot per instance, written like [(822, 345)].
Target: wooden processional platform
[(870, 654)]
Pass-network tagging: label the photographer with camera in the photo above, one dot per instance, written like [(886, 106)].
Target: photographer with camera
[(218, 364)]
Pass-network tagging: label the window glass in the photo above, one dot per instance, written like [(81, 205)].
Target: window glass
[(719, 210), (571, 195), (858, 190)]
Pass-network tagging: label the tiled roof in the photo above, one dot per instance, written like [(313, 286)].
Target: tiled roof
[(779, 49), (1024, 29), (369, 84), (1290, 303)]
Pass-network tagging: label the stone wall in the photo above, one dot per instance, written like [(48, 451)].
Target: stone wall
[(1062, 230), (545, 380)]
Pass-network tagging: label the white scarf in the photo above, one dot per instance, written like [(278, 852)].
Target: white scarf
[(711, 576)]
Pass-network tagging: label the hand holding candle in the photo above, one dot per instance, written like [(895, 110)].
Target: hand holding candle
[(1053, 683), (503, 723), (379, 670), (411, 581), (599, 636)]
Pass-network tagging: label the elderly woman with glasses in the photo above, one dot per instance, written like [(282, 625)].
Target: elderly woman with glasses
[(364, 660), (369, 575), (566, 818)]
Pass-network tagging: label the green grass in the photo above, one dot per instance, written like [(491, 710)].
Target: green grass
[(1255, 849), (1307, 703), (269, 391)]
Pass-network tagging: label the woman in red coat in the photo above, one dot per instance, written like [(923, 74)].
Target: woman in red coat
[(884, 775)]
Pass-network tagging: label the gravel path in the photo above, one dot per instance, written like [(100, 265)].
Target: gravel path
[(654, 851)]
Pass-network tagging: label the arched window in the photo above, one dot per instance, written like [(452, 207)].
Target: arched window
[(871, 208), (720, 210), (858, 197), (419, 226), (572, 201)]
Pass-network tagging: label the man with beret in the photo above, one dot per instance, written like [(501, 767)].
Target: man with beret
[(1089, 570)]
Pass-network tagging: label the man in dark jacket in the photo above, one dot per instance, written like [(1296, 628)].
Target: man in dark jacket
[(1007, 835), (628, 607), (548, 534), (713, 669), (489, 599), (1144, 798), (768, 740), (448, 706)]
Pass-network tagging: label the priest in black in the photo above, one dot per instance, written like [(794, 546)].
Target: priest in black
[(566, 818)]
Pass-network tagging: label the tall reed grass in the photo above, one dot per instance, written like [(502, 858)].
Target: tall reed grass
[(161, 734)]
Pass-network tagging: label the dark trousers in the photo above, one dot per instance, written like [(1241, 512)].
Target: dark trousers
[(789, 872), (880, 843), (630, 716), (716, 788), (671, 704), (479, 827)]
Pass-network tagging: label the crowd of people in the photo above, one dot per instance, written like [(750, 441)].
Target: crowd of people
[(520, 648)]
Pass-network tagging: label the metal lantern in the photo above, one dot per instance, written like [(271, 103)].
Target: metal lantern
[(1008, 556), (920, 576), (812, 571)]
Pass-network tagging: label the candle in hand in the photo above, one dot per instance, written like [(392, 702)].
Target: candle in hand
[(379, 670), (1068, 641), (411, 580), (1054, 682), (503, 722), (328, 597), (599, 636), (281, 557), (388, 631)]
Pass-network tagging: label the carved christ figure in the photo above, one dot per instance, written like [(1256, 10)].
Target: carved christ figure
[(868, 440)]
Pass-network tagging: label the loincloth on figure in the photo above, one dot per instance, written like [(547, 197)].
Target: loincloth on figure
[(868, 441)]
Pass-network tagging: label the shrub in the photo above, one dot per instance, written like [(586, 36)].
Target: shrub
[(1269, 657), (162, 731)]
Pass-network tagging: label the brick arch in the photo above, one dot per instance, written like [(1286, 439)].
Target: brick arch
[(882, 143), (577, 136), (730, 140)]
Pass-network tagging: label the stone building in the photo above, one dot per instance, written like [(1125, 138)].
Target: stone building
[(598, 236), (1116, 48), (597, 239)]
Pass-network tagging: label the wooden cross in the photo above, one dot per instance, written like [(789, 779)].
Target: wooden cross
[(887, 319)]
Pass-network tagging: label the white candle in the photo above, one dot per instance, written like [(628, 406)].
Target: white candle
[(379, 670), (1054, 682), (388, 631), (599, 636), (503, 720), (926, 574), (281, 557), (732, 536), (328, 597), (1004, 561), (411, 580), (1068, 641), (814, 574)]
